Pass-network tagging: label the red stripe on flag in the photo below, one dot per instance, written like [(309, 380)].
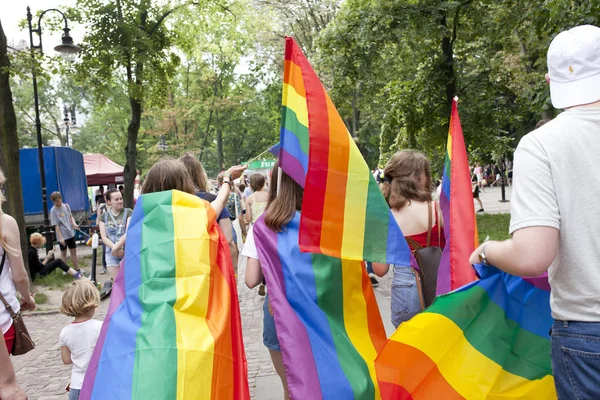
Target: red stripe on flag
[(318, 128), (462, 210)]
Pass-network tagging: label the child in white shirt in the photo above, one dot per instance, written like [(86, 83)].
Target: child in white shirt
[(78, 339)]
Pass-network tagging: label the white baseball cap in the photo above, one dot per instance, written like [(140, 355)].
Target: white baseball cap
[(574, 67)]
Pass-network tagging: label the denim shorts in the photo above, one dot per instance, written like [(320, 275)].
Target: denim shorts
[(405, 296), (74, 394), (269, 333), (576, 359), (111, 260)]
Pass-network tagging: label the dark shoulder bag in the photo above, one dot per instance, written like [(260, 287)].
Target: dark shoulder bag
[(428, 258), (23, 342)]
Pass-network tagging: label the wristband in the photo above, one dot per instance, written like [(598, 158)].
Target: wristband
[(227, 182)]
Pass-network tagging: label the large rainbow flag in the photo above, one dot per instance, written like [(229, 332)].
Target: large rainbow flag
[(456, 202), (326, 316), (487, 340), (173, 328), (344, 214)]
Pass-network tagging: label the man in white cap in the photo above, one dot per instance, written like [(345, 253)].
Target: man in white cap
[(555, 216)]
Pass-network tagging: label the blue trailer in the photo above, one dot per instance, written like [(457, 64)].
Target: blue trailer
[(65, 172)]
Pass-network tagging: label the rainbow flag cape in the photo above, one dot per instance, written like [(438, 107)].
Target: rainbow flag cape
[(173, 328), (456, 202), (344, 214), (487, 340), (326, 316)]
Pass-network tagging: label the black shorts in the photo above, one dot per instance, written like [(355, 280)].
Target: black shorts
[(70, 243), (476, 192)]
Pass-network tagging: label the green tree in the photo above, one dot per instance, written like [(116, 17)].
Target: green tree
[(129, 39), (9, 146)]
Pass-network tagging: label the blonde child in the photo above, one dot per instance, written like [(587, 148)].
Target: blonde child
[(77, 340)]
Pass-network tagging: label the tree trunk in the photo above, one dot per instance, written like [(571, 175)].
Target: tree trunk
[(130, 170), (220, 149), (355, 113), (448, 58), (9, 148)]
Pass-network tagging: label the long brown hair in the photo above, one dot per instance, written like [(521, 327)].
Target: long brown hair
[(196, 171), (168, 174), (407, 176), (283, 204)]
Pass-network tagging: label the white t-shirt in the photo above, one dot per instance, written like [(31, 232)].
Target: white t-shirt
[(249, 249), (7, 288), (556, 184), (80, 338)]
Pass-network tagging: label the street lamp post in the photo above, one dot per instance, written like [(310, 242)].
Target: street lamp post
[(66, 47), (66, 120)]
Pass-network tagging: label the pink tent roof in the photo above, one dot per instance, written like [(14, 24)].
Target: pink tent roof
[(100, 170)]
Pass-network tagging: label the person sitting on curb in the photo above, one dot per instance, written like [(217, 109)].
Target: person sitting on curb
[(44, 267)]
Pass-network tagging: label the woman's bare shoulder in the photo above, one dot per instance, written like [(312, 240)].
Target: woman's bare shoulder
[(8, 221)]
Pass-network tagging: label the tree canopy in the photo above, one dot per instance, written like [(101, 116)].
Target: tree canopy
[(205, 75)]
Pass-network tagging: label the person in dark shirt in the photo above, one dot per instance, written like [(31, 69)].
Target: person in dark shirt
[(49, 264), (100, 197)]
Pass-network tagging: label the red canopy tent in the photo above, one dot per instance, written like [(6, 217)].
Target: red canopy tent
[(100, 170)]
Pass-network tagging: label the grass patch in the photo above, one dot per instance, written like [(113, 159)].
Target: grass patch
[(40, 298), (493, 225), (55, 280)]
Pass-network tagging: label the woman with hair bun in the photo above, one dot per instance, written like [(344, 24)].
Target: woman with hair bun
[(407, 189)]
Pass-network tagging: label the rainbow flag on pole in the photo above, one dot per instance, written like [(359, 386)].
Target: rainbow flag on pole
[(456, 202), (487, 340), (326, 316), (173, 328), (344, 214)]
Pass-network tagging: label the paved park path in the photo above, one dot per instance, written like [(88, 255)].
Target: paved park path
[(43, 376)]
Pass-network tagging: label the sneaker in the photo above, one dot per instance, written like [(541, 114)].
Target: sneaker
[(374, 281), (261, 290), (102, 271), (78, 275), (480, 210)]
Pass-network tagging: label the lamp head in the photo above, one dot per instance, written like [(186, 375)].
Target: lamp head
[(67, 48)]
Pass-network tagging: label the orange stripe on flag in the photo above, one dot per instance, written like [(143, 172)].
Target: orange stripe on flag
[(374, 320), (337, 179), (292, 75), (411, 369), (219, 324)]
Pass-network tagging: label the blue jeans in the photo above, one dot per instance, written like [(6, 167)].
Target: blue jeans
[(270, 339), (369, 267), (576, 359), (405, 295), (74, 394)]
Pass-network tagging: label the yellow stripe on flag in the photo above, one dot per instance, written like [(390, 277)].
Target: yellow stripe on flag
[(461, 364), (195, 344), (355, 316), (292, 100)]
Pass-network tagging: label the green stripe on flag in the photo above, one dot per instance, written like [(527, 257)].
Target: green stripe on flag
[(290, 122), (156, 345), (499, 338), (330, 299), (376, 224)]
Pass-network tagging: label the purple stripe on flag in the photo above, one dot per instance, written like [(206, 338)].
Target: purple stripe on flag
[(540, 282), (117, 296), (292, 166), (443, 280), (275, 149), (299, 350)]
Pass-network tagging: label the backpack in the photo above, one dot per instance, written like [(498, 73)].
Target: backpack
[(428, 259)]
